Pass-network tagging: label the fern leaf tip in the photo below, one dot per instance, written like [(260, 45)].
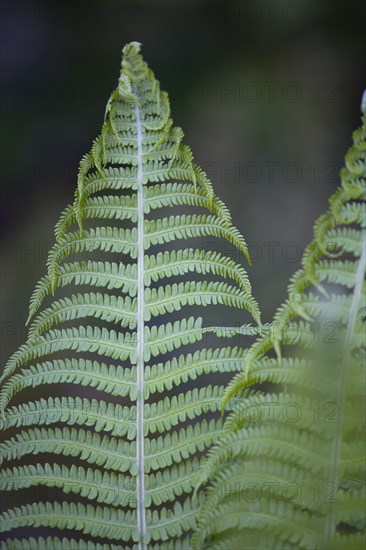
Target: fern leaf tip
[(131, 48)]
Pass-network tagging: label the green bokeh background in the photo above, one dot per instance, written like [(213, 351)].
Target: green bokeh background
[(60, 61)]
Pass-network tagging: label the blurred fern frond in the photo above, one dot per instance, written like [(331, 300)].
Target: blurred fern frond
[(289, 469)]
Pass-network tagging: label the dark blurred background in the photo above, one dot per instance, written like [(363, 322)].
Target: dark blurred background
[(267, 92)]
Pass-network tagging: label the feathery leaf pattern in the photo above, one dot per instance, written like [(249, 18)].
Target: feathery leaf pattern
[(116, 314)]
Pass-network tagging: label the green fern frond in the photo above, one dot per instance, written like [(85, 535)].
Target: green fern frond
[(289, 468), (96, 404)]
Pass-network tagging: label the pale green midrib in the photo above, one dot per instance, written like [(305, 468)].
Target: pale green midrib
[(140, 451), (330, 520)]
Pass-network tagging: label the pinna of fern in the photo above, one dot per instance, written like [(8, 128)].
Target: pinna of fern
[(289, 470), (121, 434)]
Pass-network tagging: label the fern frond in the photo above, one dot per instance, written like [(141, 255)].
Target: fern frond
[(92, 401)]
